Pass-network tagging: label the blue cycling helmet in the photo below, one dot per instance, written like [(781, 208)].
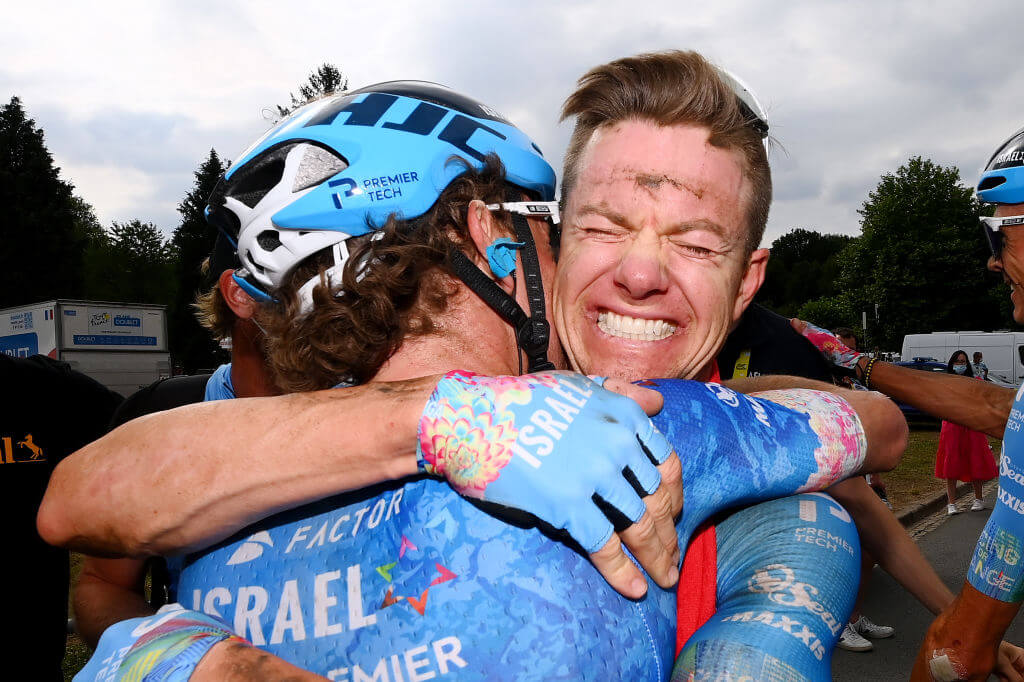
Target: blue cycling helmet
[(341, 166), (1002, 181)]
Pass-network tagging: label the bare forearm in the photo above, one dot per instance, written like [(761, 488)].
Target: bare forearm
[(978, 405), (886, 539), (966, 635), (237, 662), (188, 477), (108, 591)]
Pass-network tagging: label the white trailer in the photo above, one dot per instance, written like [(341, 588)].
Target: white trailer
[(1003, 351), (121, 345)]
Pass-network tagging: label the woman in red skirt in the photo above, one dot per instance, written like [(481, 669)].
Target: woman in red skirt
[(963, 454)]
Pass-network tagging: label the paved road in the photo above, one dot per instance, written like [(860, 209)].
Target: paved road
[(948, 542)]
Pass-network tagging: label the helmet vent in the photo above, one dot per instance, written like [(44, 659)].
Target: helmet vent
[(990, 182), (317, 165), (255, 185), (268, 240)]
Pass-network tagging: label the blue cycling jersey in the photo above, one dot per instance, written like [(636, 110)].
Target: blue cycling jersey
[(996, 568), (409, 581)]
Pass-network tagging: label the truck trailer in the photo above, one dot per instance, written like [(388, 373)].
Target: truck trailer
[(121, 345)]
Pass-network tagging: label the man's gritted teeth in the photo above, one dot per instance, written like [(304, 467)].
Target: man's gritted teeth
[(634, 328)]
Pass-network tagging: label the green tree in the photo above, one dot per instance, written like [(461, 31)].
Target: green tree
[(191, 244), (326, 79), (919, 258), (43, 248), (131, 263), (804, 265)]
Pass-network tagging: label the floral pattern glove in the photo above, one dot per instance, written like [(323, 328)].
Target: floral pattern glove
[(548, 444)]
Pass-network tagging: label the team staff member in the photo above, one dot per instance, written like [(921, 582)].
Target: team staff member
[(48, 412)]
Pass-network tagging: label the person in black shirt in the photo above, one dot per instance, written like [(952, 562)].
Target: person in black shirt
[(765, 343), (49, 411)]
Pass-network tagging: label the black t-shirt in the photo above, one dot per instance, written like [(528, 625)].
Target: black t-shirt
[(48, 412), (765, 343), (161, 395)]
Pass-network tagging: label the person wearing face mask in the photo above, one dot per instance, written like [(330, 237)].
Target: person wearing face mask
[(963, 454)]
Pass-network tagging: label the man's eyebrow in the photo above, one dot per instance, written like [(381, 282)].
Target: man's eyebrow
[(617, 218), (704, 224), (605, 212)]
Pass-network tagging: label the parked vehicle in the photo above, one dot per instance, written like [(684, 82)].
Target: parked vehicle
[(1003, 351), (121, 345), (924, 364)]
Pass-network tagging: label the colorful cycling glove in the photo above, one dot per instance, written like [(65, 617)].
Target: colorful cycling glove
[(547, 444)]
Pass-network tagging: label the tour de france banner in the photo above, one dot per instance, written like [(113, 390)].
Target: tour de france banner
[(108, 328)]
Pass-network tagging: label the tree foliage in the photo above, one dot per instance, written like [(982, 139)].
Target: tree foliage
[(131, 263), (804, 265), (43, 238), (191, 244), (326, 79), (919, 257)]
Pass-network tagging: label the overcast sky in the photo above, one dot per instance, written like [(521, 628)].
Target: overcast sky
[(132, 96)]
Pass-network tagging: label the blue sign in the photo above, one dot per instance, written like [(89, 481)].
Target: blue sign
[(19, 345), (104, 340)]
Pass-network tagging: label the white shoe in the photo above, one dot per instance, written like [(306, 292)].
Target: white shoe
[(852, 641), (951, 509), (871, 630), (977, 505)]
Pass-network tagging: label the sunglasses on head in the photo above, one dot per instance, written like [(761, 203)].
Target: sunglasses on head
[(993, 229), (749, 104)]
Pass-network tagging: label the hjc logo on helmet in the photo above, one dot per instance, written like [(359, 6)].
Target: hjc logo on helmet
[(422, 121)]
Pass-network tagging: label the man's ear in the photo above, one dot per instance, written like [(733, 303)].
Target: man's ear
[(484, 228), (241, 303), (752, 280)]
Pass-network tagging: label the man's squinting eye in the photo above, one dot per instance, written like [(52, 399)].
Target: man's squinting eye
[(699, 245), (602, 231)]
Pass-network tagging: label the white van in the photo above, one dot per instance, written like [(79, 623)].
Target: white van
[(1003, 351)]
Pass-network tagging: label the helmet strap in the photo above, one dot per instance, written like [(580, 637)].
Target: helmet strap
[(533, 332)]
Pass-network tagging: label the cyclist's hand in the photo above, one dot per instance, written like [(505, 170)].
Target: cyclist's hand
[(834, 350), (558, 446)]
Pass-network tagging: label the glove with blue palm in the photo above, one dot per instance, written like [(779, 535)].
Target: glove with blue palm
[(548, 444)]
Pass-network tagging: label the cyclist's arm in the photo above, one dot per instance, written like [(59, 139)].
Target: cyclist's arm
[(883, 535), (211, 469), (884, 426), (978, 405), (965, 637), (188, 477), (108, 591), (236, 662)]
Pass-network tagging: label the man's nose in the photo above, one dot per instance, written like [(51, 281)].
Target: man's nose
[(642, 271), (995, 264)]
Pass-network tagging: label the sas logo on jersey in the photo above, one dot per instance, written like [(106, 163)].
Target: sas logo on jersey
[(251, 549)]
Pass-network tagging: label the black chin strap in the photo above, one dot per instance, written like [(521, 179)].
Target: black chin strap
[(533, 332)]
